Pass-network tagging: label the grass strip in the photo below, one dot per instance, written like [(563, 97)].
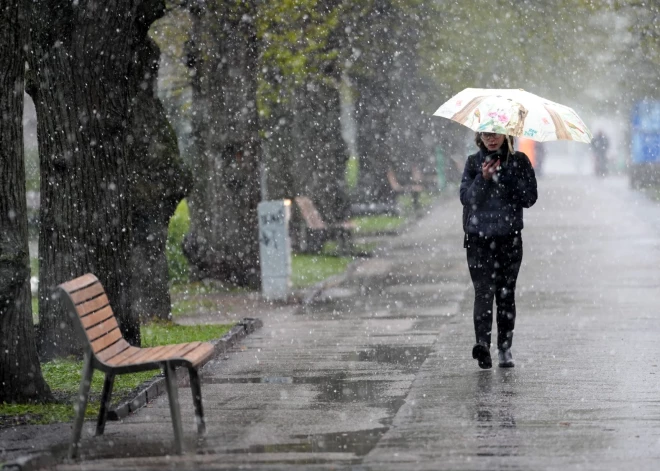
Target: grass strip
[(63, 377), (308, 270)]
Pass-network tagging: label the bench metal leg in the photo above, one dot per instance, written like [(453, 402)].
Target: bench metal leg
[(196, 388), (105, 402), (172, 393), (81, 404)]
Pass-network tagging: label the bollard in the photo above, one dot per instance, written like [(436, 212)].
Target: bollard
[(275, 248)]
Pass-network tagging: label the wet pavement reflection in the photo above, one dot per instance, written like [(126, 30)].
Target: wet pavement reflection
[(377, 374)]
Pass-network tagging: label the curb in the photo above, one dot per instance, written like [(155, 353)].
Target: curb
[(312, 293), (31, 463), (148, 393), (157, 386)]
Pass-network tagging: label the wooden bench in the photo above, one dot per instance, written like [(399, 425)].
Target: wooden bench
[(415, 189), (316, 231), (106, 350)]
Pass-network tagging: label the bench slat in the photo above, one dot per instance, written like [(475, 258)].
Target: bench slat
[(87, 293), (79, 283), (99, 316), (348, 225), (155, 354), (309, 212), (107, 340), (181, 352), (144, 355), (167, 352), (113, 350), (101, 329), (200, 354), (126, 353), (90, 306)]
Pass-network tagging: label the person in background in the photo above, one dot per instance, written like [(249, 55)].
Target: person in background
[(497, 184), (539, 152), (599, 147)]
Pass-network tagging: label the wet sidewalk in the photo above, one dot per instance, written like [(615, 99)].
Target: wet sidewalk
[(377, 373)]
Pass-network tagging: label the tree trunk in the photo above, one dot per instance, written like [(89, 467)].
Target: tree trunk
[(374, 103), (278, 156), (321, 152), (159, 178), (223, 239), (372, 117), (406, 121), (20, 372), (79, 60)]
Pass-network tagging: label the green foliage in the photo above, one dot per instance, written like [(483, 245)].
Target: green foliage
[(352, 171), (19, 414), (652, 192), (63, 376), (308, 270), (295, 38), (35, 310), (204, 287), (31, 169), (34, 271), (367, 225), (165, 333), (176, 261), (507, 44), (182, 307), (406, 203)]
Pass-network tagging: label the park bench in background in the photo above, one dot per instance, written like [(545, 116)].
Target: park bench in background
[(315, 232), (415, 189), (107, 350)]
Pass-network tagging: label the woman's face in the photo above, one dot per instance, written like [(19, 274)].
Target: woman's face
[(491, 140)]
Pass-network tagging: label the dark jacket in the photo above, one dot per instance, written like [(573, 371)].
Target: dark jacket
[(495, 207)]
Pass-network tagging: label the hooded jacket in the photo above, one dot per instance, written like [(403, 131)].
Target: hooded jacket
[(495, 207)]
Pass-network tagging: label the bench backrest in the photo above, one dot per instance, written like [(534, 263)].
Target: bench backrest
[(86, 297), (393, 181), (309, 213)]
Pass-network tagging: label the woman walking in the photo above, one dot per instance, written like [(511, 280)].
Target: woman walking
[(497, 184)]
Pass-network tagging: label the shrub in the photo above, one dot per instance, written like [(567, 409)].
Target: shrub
[(176, 261)]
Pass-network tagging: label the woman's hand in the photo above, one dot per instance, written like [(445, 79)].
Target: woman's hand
[(488, 169)]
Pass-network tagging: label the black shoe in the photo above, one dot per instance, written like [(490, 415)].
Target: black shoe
[(481, 353), (505, 358)]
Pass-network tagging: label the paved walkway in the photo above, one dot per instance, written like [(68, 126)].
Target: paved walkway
[(377, 374)]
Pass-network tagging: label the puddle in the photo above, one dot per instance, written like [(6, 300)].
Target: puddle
[(358, 443), (405, 356), (332, 388), (337, 388)]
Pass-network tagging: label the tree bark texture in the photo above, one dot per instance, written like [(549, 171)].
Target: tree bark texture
[(307, 154), (20, 372), (278, 157), (372, 117), (223, 240), (371, 76), (320, 151), (158, 176), (406, 122), (79, 63)]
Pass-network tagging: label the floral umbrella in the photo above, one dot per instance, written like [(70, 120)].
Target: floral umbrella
[(515, 112)]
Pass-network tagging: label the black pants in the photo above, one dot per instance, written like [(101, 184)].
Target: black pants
[(494, 263)]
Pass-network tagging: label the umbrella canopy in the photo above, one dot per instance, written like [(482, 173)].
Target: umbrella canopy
[(515, 112)]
